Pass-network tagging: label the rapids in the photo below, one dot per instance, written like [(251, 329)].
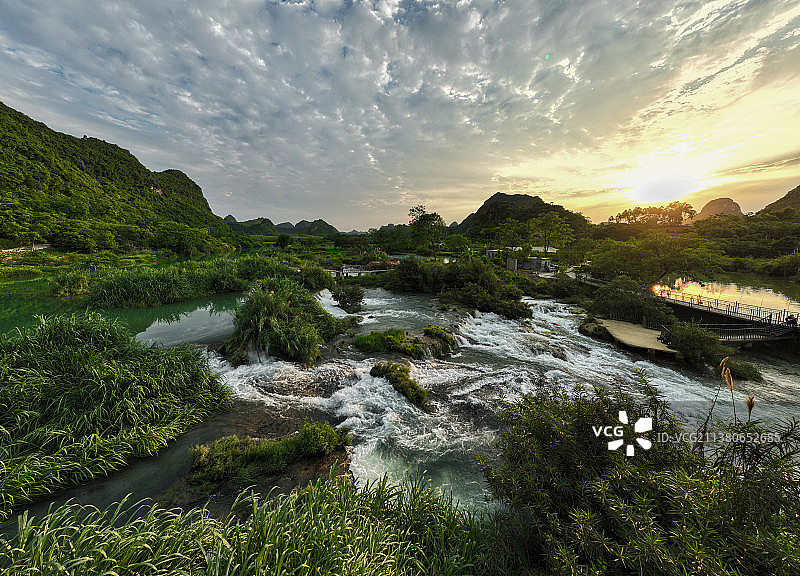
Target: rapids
[(497, 359)]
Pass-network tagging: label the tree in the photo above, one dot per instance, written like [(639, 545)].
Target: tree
[(671, 215), (458, 244), (551, 230), (656, 257), (427, 229), (676, 212), (512, 233), (350, 297)]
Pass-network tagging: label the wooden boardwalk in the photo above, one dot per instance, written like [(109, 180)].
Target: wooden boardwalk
[(762, 324), (638, 337)]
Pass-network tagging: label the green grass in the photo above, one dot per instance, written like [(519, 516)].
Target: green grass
[(281, 318), (144, 286), (80, 397), (439, 333), (242, 459), (330, 528), (392, 340), (9, 272), (399, 376)]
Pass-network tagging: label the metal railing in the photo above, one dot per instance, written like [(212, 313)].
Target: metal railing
[(715, 305), (742, 332), (732, 309)]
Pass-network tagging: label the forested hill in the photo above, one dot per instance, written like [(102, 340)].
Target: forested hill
[(85, 194), (790, 200), (522, 207)]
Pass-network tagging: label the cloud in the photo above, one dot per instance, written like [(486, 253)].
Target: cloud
[(353, 111)]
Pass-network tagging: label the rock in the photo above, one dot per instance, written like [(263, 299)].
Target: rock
[(719, 206)]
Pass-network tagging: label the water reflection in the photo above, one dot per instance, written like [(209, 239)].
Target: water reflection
[(754, 296), (202, 321)]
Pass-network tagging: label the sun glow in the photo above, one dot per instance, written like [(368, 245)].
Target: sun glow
[(665, 188), (664, 180)]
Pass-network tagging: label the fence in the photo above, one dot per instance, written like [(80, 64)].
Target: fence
[(733, 309), (742, 332)]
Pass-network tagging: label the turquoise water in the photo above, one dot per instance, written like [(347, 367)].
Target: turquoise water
[(496, 359), (204, 320)]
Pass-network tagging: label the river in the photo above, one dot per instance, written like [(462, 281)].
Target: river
[(496, 359)]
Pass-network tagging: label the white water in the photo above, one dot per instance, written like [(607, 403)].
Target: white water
[(497, 359)]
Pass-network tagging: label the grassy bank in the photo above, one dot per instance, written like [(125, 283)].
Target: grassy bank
[(145, 286), (331, 528), (80, 397)]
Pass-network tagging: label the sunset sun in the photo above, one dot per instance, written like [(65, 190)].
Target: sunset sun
[(665, 188)]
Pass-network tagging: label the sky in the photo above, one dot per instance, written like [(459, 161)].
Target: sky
[(356, 111)]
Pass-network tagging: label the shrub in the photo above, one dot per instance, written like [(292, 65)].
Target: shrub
[(315, 277), (701, 347), (697, 345), (441, 334), (744, 370), (576, 507), (283, 240), (416, 275), (281, 318), (349, 297), (470, 281), (256, 267), (399, 376), (624, 299), (506, 302)]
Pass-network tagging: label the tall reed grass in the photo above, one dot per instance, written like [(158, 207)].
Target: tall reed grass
[(328, 528), (145, 286), (281, 318), (80, 397), (142, 287)]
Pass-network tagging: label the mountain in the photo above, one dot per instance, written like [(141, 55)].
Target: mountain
[(85, 194), (790, 200), (316, 228), (255, 226), (265, 226), (719, 206), (521, 207)]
